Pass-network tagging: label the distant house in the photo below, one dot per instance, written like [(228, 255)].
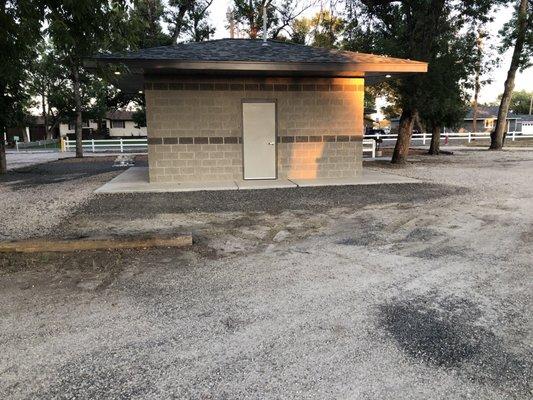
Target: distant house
[(115, 124), (32, 130), (486, 120)]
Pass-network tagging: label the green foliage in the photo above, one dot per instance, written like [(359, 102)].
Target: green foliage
[(440, 32), (145, 19), (249, 13), (326, 29), (139, 117), (20, 22), (283, 18), (77, 30), (301, 28), (47, 81), (520, 101), (452, 62), (197, 25)]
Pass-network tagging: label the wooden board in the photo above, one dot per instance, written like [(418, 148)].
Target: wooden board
[(44, 245)]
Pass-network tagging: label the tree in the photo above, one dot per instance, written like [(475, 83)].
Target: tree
[(410, 29), (485, 61), (176, 16), (78, 29), (453, 60), (145, 19), (300, 28), (288, 11), (21, 22), (47, 78), (520, 31), (249, 13), (197, 24), (520, 102), (281, 16), (326, 29)]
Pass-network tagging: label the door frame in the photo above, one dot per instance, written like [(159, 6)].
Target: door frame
[(258, 100)]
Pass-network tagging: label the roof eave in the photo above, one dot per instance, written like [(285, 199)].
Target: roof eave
[(290, 67)]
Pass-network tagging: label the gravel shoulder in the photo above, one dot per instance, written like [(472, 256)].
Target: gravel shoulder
[(36, 198), (389, 292)]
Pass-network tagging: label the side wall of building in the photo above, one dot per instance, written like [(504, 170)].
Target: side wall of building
[(195, 126)]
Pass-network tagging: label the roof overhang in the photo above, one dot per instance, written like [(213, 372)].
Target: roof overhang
[(372, 72), (329, 69)]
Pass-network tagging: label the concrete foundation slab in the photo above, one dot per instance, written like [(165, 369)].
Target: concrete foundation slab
[(135, 180), (265, 184), (368, 177)]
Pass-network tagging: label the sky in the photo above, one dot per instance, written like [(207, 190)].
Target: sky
[(489, 93)]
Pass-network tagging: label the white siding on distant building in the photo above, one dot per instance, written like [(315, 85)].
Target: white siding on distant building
[(66, 129), (129, 130), (527, 127)]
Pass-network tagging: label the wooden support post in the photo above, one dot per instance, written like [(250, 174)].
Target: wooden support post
[(48, 245)]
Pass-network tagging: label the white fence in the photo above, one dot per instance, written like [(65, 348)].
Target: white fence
[(369, 146), (120, 145), (447, 136)]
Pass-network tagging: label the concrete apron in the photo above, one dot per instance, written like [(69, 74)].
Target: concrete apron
[(135, 180)]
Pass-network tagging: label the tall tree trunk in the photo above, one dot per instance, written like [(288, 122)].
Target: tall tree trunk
[(477, 80), (77, 102), (47, 131), (3, 162), (477, 87), (180, 17), (434, 147), (496, 139), (405, 130)]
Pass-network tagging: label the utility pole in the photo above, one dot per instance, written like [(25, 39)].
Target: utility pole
[(231, 20), (530, 103), (265, 4)]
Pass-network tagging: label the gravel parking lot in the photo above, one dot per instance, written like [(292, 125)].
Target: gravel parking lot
[(389, 291)]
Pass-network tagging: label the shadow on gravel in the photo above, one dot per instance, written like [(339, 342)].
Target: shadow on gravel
[(444, 333), (270, 200), (63, 170)]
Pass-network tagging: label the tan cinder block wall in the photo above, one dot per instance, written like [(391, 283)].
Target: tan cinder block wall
[(194, 126)]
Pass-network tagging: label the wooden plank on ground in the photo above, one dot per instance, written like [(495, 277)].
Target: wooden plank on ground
[(45, 245)]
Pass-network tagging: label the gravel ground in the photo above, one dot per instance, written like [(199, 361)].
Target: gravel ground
[(16, 159), (34, 199), (389, 292)]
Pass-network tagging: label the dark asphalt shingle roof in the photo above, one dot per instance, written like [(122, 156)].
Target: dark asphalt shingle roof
[(525, 117), (119, 115), (487, 112), (251, 50)]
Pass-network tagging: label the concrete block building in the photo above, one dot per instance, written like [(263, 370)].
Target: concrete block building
[(235, 109)]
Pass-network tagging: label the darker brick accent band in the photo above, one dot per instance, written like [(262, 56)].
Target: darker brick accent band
[(201, 140), (264, 87), (238, 140)]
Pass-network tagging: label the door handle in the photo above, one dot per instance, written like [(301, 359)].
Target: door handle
[(271, 143)]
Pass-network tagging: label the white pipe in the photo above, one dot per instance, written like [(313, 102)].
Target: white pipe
[(265, 43)]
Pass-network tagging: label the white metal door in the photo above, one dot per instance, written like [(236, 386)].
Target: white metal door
[(259, 140)]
